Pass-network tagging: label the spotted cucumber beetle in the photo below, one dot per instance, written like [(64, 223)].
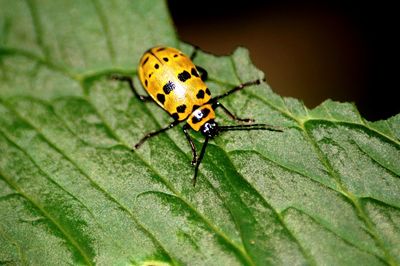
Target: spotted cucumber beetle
[(173, 81)]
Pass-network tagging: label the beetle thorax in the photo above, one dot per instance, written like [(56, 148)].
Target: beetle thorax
[(201, 116)]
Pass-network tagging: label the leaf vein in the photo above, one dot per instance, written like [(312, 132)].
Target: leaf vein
[(17, 246), (44, 172), (50, 218), (106, 28), (313, 179), (386, 168), (326, 227), (37, 26), (256, 192)]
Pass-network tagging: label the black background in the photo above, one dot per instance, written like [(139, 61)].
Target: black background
[(346, 51)]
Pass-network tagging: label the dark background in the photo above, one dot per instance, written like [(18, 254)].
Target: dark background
[(309, 50)]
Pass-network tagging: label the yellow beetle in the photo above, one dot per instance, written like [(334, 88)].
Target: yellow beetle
[(177, 85)]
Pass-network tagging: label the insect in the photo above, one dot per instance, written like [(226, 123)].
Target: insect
[(177, 85)]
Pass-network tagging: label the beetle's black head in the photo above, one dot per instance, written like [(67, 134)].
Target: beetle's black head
[(210, 129)]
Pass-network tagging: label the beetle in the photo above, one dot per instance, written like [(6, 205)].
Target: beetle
[(176, 84)]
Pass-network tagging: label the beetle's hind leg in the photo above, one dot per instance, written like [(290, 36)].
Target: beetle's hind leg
[(129, 80)]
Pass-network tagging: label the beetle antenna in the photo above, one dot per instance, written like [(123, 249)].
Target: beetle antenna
[(202, 152), (251, 127)]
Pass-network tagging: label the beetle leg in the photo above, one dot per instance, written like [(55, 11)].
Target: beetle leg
[(230, 114), (143, 98), (154, 133), (194, 52), (185, 128), (237, 88)]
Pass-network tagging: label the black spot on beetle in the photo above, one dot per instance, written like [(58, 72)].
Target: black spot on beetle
[(208, 91), (145, 61), (165, 59), (200, 94), (205, 112), (156, 66), (161, 98), (168, 87), (184, 76), (195, 120), (161, 49), (145, 82), (150, 75), (181, 108), (175, 55), (195, 107), (175, 116), (194, 72)]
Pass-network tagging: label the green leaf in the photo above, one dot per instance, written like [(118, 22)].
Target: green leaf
[(326, 191)]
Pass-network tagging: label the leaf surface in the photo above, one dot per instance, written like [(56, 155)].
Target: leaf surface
[(324, 191)]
